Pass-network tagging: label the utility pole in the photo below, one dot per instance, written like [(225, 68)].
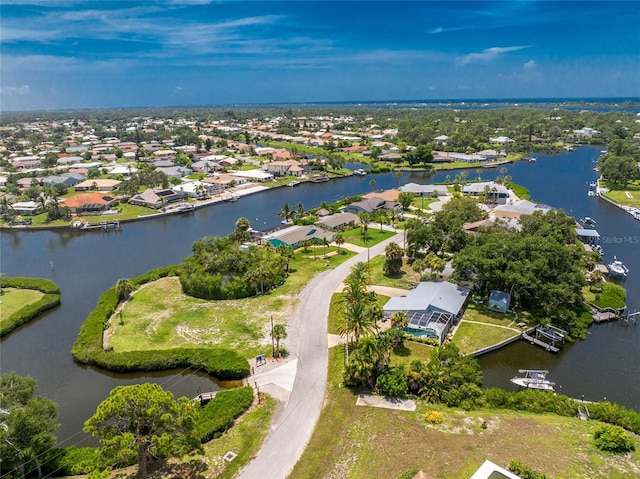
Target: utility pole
[(273, 344)]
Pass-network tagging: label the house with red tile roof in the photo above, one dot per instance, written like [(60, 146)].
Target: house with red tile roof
[(89, 203)]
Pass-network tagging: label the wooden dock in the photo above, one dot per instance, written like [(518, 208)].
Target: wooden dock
[(537, 342), (204, 398)]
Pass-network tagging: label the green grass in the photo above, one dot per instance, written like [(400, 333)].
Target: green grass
[(374, 236), (127, 212), (423, 203), (362, 442), (618, 193), (470, 337), (14, 299), (160, 317), (405, 280), (605, 295), (409, 351)]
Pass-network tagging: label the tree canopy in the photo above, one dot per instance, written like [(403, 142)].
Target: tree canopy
[(27, 426), (143, 422)]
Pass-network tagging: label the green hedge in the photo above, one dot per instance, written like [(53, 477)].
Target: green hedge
[(31, 311), (218, 415), (220, 362)]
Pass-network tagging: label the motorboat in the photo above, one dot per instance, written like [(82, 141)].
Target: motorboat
[(294, 183), (592, 193), (533, 379), (532, 159), (617, 268), (593, 184), (587, 221), (360, 172)]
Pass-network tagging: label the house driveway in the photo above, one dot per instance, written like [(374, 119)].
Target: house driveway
[(307, 342)]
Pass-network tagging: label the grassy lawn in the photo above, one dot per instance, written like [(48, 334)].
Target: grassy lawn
[(409, 351), (374, 236), (629, 196), (405, 280), (605, 295), (471, 337), (480, 313), (159, 316), (127, 212), (423, 203), (13, 299), (362, 442)]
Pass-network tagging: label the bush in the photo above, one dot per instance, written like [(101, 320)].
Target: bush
[(525, 472), (218, 415), (612, 439), (392, 382), (408, 474), (434, 417), (31, 311), (71, 461)]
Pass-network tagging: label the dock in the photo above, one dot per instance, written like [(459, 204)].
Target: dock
[(537, 342), (204, 398)]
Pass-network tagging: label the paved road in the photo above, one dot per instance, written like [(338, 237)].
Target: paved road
[(293, 425)]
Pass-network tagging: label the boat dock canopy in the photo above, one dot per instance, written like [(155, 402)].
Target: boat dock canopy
[(587, 233)]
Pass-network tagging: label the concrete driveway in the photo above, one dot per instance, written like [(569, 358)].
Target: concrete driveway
[(307, 341)]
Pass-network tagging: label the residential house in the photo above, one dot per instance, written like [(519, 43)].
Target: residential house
[(175, 171), (425, 190), (499, 193), (293, 235), (371, 205), (197, 189), (502, 140), (282, 168), (98, 184), (338, 221), (68, 179), (24, 183), (26, 208), (519, 208), (224, 180), (156, 197), (254, 175), (441, 140), (89, 203), (433, 308)]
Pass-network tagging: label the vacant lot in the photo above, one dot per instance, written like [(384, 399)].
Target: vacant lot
[(14, 299), (363, 442), (159, 316), (374, 235)]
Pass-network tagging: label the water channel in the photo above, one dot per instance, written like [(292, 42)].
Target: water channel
[(86, 264)]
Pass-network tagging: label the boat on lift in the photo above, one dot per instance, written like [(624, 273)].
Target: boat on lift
[(617, 269), (587, 221), (533, 379)]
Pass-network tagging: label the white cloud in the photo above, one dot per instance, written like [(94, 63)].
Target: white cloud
[(437, 30), (178, 89), (20, 90), (530, 64), (489, 54)]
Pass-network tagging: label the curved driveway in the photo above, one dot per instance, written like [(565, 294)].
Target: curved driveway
[(293, 425)]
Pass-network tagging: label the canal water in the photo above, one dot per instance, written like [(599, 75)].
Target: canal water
[(86, 264)]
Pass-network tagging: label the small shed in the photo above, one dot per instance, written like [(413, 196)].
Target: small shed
[(499, 301)]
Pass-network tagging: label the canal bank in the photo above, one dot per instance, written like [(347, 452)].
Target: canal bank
[(88, 264)]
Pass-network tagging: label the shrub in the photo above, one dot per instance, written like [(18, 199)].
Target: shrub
[(434, 417), (392, 382), (71, 461), (218, 415), (525, 472), (408, 474), (612, 439)]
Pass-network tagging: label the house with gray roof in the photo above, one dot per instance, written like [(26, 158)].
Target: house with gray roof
[(68, 179), (424, 190), (338, 221), (499, 301), (519, 208), (496, 191), (156, 197), (433, 308), (293, 235), (175, 171), (371, 205)]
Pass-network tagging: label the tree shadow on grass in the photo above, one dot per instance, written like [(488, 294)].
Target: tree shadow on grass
[(402, 351)]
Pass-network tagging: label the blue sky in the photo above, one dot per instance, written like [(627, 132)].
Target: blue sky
[(61, 54)]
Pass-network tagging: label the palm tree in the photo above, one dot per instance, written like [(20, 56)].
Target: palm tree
[(300, 210), (479, 171), (339, 240), (285, 213), (463, 176), (399, 320), (278, 333), (325, 243), (372, 184), (124, 288), (358, 322), (398, 175)]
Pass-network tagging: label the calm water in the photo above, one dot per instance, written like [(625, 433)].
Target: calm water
[(85, 264)]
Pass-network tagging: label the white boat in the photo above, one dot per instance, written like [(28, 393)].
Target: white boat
[(532, 159), (587, 221), (617, 268), (294, 183), (230, 198), (593, 184), (360, 172), (533, 379), (592, 193)]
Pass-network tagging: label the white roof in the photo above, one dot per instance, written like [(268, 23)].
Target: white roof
[(439, 296), (254, 174)]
